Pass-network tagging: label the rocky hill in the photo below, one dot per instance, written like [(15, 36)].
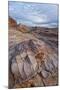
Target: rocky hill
[(23, 28), (12, 22), (33, 57)]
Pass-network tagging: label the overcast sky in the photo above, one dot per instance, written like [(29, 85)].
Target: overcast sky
[(34, 14)]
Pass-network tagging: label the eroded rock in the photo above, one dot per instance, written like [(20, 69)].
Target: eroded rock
[(44, 74), (28, 61)]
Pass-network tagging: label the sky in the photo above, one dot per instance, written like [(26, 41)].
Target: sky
[(34, 14)]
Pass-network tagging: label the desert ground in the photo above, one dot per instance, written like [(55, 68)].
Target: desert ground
[(33, 55)]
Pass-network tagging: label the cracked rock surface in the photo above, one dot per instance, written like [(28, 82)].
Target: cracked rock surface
[(33, 62)]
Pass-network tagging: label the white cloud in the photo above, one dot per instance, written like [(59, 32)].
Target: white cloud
[(36, 18), (33, 14)]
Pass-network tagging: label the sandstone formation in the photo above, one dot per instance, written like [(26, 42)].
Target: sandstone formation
[(33, 59), (23, 28), (11, 22)]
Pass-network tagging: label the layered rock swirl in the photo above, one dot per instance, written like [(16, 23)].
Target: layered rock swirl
[(32, 61)]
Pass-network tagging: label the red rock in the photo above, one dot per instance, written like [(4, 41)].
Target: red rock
[(12, 22), (23, 28)]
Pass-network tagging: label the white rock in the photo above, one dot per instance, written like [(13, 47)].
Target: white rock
[(49, 66), (27, 69), (21, 70), (32, 60), (23, 55), (14, 68), (44, 73)]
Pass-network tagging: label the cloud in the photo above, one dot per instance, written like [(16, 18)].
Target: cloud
[(38, 18), (33, 13)]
